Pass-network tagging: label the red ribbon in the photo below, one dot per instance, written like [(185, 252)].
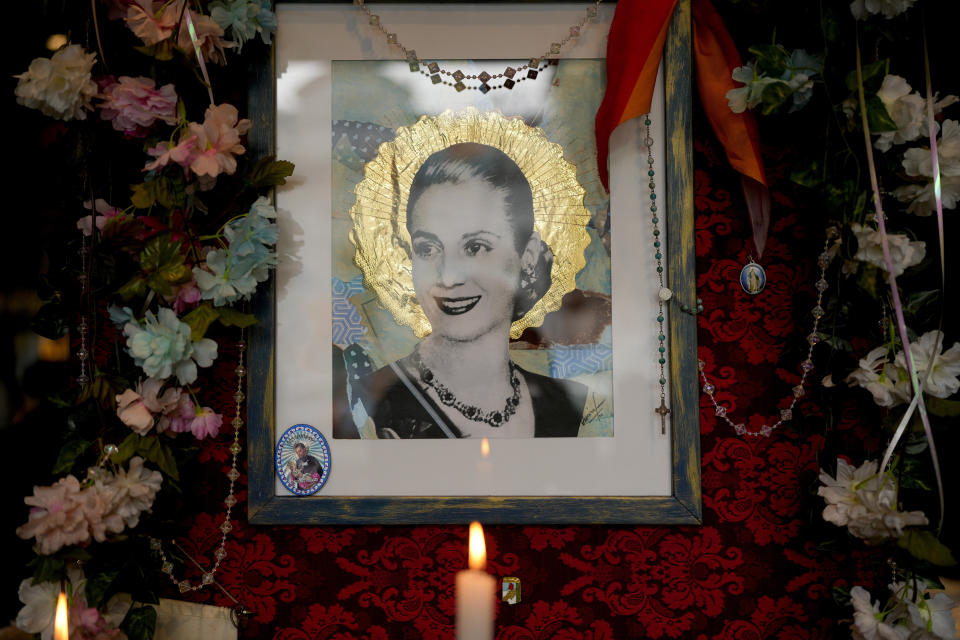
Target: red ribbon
[(634, 49)]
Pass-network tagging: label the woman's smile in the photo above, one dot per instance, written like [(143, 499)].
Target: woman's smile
[(456, 306)]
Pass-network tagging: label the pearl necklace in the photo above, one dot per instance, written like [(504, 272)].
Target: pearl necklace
[(431, 69)]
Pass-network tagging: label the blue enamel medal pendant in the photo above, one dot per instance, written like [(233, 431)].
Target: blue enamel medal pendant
[(303, 460), (753, 278)]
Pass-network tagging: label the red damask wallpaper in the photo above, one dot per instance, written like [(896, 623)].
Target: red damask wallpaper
[(755, 569)]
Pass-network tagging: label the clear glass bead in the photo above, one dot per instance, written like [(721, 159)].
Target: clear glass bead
[(574, 32), (817, 312), (240, 371), (111, 449), (237, 422), (822, 285), (740, 429), (766, 430), (554, 48), (220, 553), (813, 338), (184, 586), (786, 414), (709, 389), (83, 379), (235, 448), (155, 544), (391, 38), (83, 354), (807, 366), (798, 391), (233, 474), (167, 568), (230, 501), (207, 578), (226, 527), (238, 396), (720, 410), (823, 260)]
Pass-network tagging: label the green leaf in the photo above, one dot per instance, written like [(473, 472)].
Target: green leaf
[(46, 568), (143, 195), (139, 623), (136, 287), (162, 260), (774, 95), (127, 449), (923, 545), (157, 452), (872, 73), (878, 118), (808, 176), (200, 320), (270, 172), (943, 408), (230, 317), (98, 586), (771, 59), (69, 454)]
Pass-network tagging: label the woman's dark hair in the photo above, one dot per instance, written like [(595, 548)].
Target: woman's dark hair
[(466, 161)]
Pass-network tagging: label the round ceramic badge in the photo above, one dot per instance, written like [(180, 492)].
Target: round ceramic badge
[(303, 460)]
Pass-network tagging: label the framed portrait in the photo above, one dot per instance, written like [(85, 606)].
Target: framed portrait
[(462, 313)]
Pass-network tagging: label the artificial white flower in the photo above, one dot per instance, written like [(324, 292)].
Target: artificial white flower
[(917, 162), (881, 378), (931, 614), (904, 252), (907, 110), (865, 502), (40, 603), (889, 8), (59, 86), (131, 491), (942, 382), (749, 95), (867, 620)]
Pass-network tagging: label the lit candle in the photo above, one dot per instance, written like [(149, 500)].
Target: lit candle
[(60, 627), (476, 592)]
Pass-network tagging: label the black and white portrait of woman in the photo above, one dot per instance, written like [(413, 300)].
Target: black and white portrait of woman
[(470, 244)]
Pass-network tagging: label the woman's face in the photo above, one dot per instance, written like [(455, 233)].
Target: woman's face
[(466, 267)]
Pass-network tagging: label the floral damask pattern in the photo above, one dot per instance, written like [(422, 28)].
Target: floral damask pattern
[(749, 572)]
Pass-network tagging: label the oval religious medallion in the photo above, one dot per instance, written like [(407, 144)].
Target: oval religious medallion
[(753, 278), (302, 460)]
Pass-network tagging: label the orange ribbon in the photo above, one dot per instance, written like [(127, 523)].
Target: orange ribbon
[(634, 49)]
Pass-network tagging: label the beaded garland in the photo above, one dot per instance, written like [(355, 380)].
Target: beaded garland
[(665, 294), (823, 261), (230, 501), (511, 76)]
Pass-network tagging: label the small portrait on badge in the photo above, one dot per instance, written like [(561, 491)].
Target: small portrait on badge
[(302, 460), (753, 278)]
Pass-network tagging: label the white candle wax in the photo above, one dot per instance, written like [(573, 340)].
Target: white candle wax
[(476, 592), (476, 599)]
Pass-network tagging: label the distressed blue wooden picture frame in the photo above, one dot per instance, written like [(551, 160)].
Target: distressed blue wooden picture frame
[(683, 506)]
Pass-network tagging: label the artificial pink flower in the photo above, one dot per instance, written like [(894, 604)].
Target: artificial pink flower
[(57, 518), (182, 154), (187, 297), (85, 224), (206, 423), (178, 420), (209, 38), (218, 139), (153, 21), (133, 412), (134, 104), (156, 403)]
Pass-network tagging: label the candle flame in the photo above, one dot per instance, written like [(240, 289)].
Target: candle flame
[(60, 630), (478, 550), (485, 447)]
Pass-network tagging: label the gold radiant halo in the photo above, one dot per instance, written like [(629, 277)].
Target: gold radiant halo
[(380, 213)]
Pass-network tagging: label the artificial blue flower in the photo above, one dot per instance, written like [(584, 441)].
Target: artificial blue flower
[(244, 19), (162, 346), (120, 316), (251, 232)]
